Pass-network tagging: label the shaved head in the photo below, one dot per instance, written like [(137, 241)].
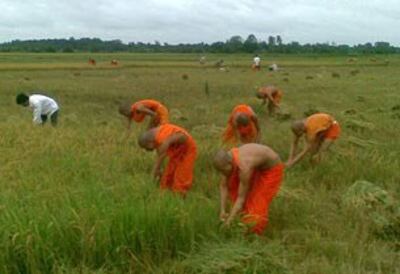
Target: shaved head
[(125, 109), (223, 161), (298, 127), (242, 119), (146, 140)]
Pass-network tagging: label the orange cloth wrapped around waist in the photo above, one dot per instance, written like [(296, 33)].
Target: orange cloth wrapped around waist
[(264, 185), (247, 133), (333, 131), (277, 95), (178, 174), (317, 123), (160, 110)]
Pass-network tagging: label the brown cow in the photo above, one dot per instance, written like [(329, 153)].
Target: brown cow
[(92, 61), (114, 62)]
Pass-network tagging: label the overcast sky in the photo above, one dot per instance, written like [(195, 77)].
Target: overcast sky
[(176, 21)]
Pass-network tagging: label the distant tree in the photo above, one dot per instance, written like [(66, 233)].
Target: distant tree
[(234, 44), (251, 44), (271, 41), (279, 40)]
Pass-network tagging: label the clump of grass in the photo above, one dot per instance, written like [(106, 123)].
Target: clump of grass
[(236, 257)]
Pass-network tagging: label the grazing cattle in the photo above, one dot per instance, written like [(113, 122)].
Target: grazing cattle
[(114, 62), (92, 62)]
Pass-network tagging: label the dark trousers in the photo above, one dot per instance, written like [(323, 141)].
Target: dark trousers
[(53, 118)]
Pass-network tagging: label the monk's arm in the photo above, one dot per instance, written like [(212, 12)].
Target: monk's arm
[(271, 99), (257, 125), (299, 156), (174, 139), (293, 147), (146, 110), (157, 166), (244, 185), (264, 101), (223, 187)]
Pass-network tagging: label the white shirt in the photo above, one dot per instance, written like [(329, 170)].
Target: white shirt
[(41, 105), (257, 60)]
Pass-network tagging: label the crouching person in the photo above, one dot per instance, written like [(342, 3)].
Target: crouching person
[(44, 108), (252, 177)]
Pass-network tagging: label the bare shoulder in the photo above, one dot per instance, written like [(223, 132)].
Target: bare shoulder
[(255, 155)]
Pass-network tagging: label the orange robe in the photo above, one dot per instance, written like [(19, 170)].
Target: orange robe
[(248, 134), (178, 174), (322, 122), (264, 185), (160, 110), (276, 94)]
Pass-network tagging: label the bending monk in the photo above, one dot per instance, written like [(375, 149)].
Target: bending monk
[(273, 95), (242, 126), (173, 142), (139, 110), (320, 131), (252, 176)]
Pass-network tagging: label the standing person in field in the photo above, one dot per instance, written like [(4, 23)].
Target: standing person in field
[(157, 112), (320, 131), (175, 143), (242, 126), (256, 63), (252, 176), (271, 94), (44, 107)]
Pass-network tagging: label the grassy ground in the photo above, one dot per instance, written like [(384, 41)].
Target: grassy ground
[(80, 199)]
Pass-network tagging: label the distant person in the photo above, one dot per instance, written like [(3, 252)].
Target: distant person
[(256, 63), (220, 63), (137, 112), (202, 60), (271, 94), (175, 143), (44, 108), (320, 131), (242, 126), (252, 177), (273, 67)]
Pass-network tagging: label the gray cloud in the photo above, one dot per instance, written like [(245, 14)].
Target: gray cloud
[(175, 21)]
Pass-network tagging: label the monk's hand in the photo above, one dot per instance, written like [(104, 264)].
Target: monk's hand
[(157, 173), (227, 223), (223, 216)]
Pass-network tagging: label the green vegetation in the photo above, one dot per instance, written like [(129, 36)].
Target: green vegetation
[(235, 44), (80, 198)]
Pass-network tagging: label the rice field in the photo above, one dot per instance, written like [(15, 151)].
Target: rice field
[(80, 198)]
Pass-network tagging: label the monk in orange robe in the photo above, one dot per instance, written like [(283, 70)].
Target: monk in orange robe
[(139, 110), (175, 143), (273, 95), (252, 177), (320, 131), (242, 126)]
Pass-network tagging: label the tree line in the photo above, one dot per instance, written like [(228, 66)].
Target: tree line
[(235, 44)]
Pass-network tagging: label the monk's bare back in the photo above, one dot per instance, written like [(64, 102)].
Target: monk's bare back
[(256, 156)]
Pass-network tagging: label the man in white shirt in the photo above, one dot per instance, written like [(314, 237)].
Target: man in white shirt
[(256, 62), (43, 107)]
